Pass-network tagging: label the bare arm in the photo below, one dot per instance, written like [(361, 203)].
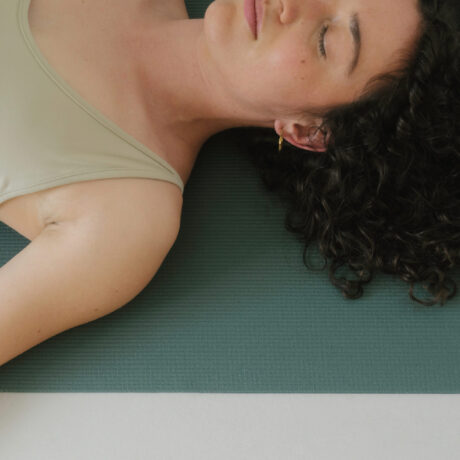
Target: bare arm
[(78, 271)]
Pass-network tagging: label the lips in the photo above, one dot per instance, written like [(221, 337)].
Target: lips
[(250, 14), (259, 5)]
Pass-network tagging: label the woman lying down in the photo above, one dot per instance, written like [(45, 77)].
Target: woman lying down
[(351, 109)]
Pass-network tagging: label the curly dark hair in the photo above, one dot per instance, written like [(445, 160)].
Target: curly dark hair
[(386, 193)]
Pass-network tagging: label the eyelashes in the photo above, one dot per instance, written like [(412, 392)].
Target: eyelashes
[(322, 49)]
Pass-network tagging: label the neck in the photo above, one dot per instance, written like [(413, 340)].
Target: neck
[(180, 90)]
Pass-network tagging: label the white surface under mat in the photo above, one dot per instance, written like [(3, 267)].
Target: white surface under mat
[(201, 426)]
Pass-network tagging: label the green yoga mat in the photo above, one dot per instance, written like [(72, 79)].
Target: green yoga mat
[(233, 309)]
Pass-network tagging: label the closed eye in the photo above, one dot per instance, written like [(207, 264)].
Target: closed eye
[(322, 49)]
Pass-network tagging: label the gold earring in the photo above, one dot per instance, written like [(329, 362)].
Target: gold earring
[(280, 144)]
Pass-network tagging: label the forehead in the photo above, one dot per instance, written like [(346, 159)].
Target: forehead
[(387, 28)]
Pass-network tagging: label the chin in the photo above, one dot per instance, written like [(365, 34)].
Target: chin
[(219, 20)]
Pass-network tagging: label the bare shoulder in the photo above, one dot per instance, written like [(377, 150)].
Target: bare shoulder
[(141, 206)]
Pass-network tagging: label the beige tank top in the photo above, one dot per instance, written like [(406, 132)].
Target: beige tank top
[(49, 135)]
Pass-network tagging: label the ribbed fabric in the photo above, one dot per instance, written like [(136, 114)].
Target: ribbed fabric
[(234, 310)]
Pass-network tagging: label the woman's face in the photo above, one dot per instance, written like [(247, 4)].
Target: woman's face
[(282, 72)]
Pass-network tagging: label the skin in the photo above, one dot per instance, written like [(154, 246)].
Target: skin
[(216, 75)]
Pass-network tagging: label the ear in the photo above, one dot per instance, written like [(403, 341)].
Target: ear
[(306, 137)]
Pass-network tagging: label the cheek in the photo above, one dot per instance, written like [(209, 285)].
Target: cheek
[(292, 68), (293, 56)]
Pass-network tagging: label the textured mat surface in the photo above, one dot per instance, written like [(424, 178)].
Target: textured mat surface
[(233, 309)]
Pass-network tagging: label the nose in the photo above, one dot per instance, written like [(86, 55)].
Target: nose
[(308, 10)]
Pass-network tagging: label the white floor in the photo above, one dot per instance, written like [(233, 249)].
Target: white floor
[(197, 426)]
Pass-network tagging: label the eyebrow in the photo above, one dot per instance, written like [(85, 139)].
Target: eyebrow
[(356, 34)]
